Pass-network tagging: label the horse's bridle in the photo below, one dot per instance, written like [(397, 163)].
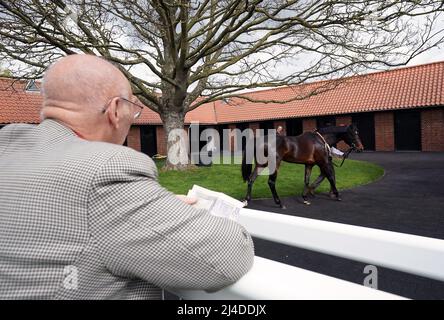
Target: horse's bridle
[(347, 153), (353, 140), (345, 156)]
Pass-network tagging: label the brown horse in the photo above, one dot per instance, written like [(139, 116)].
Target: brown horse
[(309, 148)]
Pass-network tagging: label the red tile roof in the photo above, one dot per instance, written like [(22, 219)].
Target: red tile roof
[(18, 105), (408, 87)]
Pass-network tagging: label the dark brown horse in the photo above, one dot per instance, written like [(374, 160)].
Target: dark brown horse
[(309, 148)]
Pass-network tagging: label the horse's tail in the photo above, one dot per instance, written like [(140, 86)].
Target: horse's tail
[(246, 167)]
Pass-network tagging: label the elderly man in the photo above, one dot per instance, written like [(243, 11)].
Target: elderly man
[(82, 217)]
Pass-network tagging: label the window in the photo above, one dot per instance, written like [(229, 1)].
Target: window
[(32, 86)]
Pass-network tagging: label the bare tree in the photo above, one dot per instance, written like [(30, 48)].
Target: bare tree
[(180, 54)]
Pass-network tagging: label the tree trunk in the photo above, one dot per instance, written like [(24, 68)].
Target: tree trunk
[(177, 141)]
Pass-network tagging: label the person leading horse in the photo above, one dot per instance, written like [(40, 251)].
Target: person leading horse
[(310, 149)]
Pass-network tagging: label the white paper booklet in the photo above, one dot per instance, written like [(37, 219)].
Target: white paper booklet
[(218, 203)]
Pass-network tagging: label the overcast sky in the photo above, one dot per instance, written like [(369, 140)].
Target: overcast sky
[(434, 55)]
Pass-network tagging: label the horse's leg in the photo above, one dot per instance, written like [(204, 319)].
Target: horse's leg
[(315, 184), (308, 168), (333, 174), (330, 174), (251, 180), (319, 180), (272, 184)]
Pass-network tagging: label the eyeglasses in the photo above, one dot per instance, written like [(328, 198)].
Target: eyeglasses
[(136, 115)]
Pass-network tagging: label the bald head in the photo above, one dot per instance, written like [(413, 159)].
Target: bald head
[(77, 88), (83, 80)]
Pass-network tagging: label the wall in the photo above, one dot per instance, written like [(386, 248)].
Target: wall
[(432, 130), (384, 131), (232, 137), (161, 140), (133, 139), (254, 126), (309, 124)]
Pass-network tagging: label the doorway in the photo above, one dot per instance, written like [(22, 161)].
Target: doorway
[(148, 141), (408, 130), (365, 122)]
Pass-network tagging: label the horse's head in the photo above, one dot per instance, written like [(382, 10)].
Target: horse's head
[(352, 138)]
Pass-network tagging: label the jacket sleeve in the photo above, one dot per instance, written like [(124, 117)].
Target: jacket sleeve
[(143, 231)]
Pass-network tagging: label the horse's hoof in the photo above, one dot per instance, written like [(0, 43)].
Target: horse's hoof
[(307, 202), (245, 202), (283, 207), (338, 199)]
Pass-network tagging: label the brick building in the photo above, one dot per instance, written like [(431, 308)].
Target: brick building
[(401, 109)]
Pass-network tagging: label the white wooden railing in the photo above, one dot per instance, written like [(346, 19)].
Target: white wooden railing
[(273, 280)]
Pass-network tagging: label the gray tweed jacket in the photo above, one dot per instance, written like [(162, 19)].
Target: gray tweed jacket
[(88, 220)]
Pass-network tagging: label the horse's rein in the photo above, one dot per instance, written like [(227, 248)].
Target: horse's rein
[(345, 156)]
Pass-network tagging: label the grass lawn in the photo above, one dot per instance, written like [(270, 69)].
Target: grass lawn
[(290, 181)]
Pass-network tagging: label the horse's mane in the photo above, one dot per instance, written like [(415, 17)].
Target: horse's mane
[(333, 129)]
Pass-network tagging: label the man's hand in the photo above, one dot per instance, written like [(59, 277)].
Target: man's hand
[(187, 200)]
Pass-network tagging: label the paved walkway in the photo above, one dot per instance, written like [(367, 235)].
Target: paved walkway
[(409, 199)]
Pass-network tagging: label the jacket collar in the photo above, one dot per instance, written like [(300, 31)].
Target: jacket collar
[(54, 128)]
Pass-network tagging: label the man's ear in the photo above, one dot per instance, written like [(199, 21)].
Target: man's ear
[(113, 113)]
